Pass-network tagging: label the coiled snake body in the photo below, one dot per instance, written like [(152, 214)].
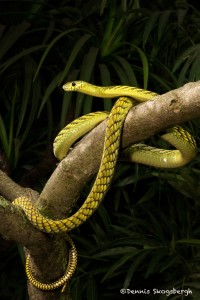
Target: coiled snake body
[(177, 136)]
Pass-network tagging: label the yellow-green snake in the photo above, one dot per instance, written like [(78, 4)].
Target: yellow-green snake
[(177, 136), (71, 267)]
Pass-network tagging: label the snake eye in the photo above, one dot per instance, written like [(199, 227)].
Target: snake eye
[(73, 83)]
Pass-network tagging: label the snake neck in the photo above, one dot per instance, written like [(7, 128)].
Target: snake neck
[(115, 91), (118, 91)]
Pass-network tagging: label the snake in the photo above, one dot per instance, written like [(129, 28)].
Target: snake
[(62, 281), (181, 139)]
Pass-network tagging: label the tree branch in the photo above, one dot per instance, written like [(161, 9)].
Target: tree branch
[(64, 186), (49, 254), (142, 122)]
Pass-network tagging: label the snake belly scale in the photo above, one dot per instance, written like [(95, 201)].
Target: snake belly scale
[(71, 267), (177, 136)]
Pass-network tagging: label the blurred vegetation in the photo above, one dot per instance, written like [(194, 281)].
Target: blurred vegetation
[(147, 232)]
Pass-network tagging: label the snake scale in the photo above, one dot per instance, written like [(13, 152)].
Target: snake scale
[(183, 142)]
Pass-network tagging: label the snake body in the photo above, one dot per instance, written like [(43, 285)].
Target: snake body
[(177, 136), (71, 267), (102, 182)]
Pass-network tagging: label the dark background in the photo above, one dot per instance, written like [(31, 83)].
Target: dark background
[(146, 233)]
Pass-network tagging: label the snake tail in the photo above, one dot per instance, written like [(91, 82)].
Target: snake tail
[(63, 281)]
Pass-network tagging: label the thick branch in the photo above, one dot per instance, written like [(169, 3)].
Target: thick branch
[(143, 121), (48, 253), (175, 107), (13, 219), (11, 190)]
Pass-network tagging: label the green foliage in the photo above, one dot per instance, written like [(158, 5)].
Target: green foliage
[(150, 239), (147, 231), (110, 43), (12, 275)]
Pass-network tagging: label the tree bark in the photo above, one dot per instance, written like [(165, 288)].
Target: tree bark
[(49, 253), (142, 122)]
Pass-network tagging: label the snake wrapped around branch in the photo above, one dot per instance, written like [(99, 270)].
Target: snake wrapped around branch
[(182, 140)]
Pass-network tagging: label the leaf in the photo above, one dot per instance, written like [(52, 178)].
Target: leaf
[(92, 292), (103, 5), (194, 73), (145, 67), (66, 100), (35, 101), (87, 69), (150, 193), (172, 261), (186, 56), (87, 107), (149, 25), (128, 69), (120, 72), (163, 22), (11, 36), (133, 267), (49, 90), (4, 136), (156, 257), (125, 250), (106, 81), (191, 242), (118, 264), (104, 217), (52, 43), (75, 290), (28, 76), (74, 52), (18, 56), (11, 127), (2, 29)]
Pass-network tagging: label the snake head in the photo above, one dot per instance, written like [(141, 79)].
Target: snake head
[(84, 87), (73, 86)]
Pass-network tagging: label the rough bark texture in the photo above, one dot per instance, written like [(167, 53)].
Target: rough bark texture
[(63, 187)]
